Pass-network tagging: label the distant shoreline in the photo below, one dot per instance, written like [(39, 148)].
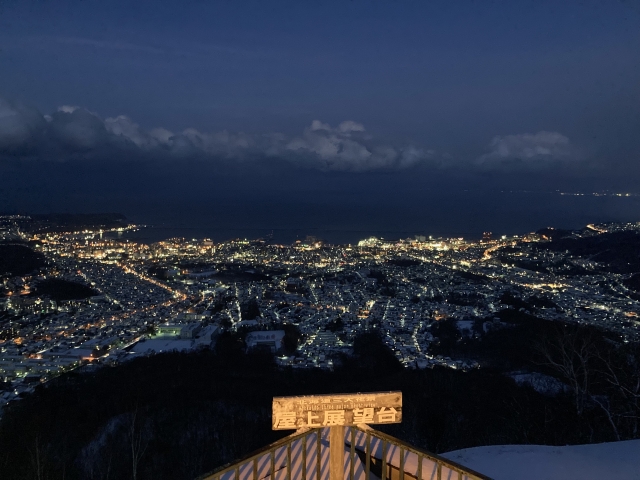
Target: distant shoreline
[(156, 233)]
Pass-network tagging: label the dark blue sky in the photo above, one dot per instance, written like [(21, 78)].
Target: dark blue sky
[(336, 96)]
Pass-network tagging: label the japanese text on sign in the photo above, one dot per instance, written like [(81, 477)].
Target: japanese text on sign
[(332, 410)]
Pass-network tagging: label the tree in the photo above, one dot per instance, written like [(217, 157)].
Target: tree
[(571, 355), (291, 338), (38, 460), (336, 325), (620, 368), (250, 310), (138, 439), (600, 373)]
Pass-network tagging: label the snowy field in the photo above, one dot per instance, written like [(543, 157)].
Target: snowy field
[(603, 461), (158, 345)]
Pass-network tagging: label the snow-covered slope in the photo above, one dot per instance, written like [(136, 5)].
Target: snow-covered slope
[(602, 461)]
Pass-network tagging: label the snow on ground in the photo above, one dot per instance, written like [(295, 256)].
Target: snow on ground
[(465, 326), (540, 382), (603, 461), (160, 344)]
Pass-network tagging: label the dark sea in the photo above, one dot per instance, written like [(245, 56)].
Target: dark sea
[(466, 215)]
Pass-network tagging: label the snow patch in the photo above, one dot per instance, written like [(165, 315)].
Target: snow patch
[(611, 461), (540, 382)]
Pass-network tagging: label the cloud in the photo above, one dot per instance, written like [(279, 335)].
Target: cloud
[(20, 127), (346, 148), (122, 126), (75, 132), (109, 45), (318, 125), (350, 126), (529, 150), (68, 108), (194, 50), (162, 135)]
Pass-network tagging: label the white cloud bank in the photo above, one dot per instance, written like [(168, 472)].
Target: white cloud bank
[(535, 150), (344, 148), (76, 133), (72, 131)]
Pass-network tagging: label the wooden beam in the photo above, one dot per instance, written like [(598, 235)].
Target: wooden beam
[(336, 453)]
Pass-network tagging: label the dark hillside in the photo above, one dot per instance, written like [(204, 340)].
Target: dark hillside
[(58, 289), (620, 251), (19, 260)]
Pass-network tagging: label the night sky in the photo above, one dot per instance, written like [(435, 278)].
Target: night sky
[(393, 115)]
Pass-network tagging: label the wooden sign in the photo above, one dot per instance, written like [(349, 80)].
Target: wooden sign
[(315, 411)]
